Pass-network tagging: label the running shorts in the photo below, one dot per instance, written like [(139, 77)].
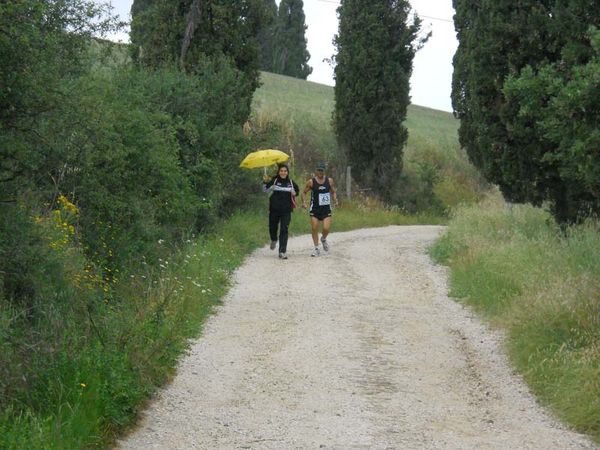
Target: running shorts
[(321, 213)]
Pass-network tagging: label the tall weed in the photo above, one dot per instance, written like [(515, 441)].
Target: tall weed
[(541, 284)]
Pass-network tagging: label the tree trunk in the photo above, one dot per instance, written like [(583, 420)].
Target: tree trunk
[(194, 17)]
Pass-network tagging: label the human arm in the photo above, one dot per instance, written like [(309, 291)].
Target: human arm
[(333, 191), (307, 188), (268, 182)]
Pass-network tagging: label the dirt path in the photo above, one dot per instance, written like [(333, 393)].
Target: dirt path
[(358, 349)]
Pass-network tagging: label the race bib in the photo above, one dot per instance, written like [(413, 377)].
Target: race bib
[(325, 199)]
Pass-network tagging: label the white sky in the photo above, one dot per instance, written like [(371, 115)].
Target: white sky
[(431, 81)]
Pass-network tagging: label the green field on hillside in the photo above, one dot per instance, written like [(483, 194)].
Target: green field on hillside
[(436, 176), (304, 101), (298, 99)]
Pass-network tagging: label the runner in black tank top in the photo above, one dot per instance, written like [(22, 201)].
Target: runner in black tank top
[(320, 199), (323, 194)]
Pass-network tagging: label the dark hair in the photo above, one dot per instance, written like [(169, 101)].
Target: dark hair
[(283, 166)]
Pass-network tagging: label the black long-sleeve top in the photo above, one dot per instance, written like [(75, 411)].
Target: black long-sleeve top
[(281, 199)]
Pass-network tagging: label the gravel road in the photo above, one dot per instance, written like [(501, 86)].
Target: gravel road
[(358, 349)]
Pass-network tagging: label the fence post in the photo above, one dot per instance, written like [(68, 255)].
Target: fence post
[(349, 183)]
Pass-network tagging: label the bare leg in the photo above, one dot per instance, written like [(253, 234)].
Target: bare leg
[(326, 226), (314, 228)]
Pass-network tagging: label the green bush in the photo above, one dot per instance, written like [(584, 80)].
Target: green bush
[(100, 191), (129, 185), (437, 177)]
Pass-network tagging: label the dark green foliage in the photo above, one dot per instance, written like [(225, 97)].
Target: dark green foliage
[(36, 55), (27, 264), (129, 186), (290, 56), (376, 46), (525, 93), (40, 63), (223, 31), (266, 35), (205, 112), (104, 171), (558, 107)]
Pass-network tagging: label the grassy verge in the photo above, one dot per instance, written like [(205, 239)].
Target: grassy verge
[(94, 389), (364, 213), (89, 396), (516, 267)]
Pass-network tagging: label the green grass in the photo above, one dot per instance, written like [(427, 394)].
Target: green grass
[(303, 109), (363, 214), (297, 100), (516, 267), (436, 176), (93, 395)]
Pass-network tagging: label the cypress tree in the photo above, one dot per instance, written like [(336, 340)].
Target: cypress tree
[(376, 46), (503, 94), (266, 35), (191, 32), (290, 55)]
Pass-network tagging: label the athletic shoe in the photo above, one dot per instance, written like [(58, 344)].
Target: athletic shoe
[(325, 244), (316, 252), (282, 256), (273, 245)]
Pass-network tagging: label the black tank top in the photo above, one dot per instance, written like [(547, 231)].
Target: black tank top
[(320, 196)]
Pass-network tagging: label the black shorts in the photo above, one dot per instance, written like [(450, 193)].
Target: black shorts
[(320, 213)]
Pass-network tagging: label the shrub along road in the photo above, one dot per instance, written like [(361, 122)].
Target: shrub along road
[(360, 348)]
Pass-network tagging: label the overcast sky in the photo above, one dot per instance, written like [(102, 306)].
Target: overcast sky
[(432, 74)]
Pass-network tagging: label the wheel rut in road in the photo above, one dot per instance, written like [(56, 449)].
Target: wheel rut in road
[(360, 348)]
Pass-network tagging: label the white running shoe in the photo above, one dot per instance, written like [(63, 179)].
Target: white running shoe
[(325, 244), (283, 256), (273, 245), (316, 252)]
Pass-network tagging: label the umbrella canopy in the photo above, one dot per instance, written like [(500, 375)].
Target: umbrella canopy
[(263, 158)]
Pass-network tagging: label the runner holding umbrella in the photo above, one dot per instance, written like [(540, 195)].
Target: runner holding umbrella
[(283, 194)]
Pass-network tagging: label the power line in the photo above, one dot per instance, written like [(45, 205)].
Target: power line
[(420, 15), (429, 17)]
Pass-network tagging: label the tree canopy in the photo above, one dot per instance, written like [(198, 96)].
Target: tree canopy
[(266, 35), (525, 89), (290, 55), (190, 32), (376, 45)]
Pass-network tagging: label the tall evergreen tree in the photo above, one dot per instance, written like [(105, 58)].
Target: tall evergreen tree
[(290, 55), (266, 35), (506, 98), (190, 32), (376, 45)]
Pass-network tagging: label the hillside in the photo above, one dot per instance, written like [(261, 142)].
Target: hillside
[(299, 100), (436, 175)]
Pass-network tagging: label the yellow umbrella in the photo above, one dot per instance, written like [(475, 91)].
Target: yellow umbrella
[(263, 158)]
